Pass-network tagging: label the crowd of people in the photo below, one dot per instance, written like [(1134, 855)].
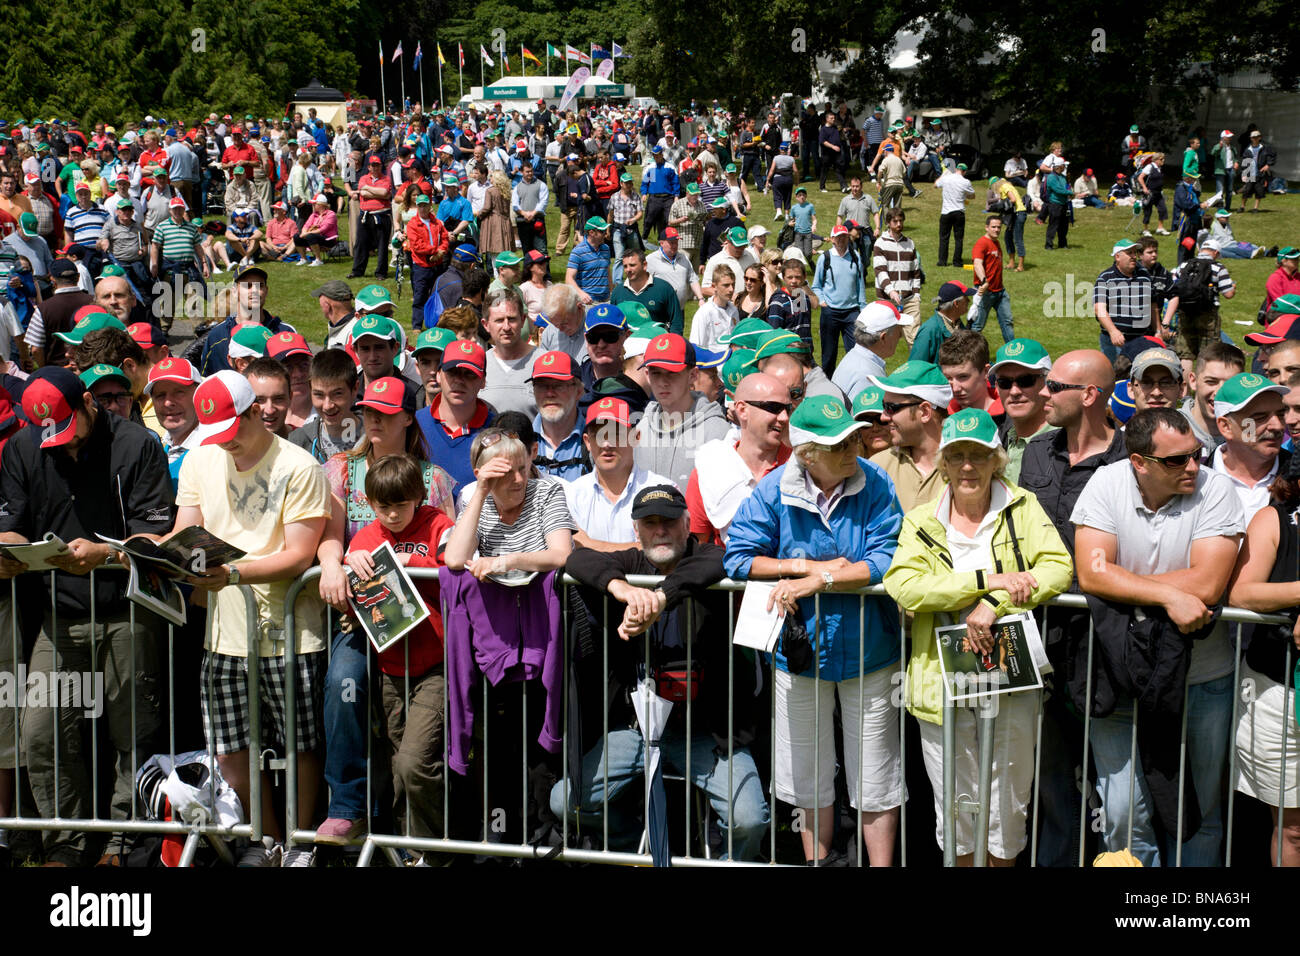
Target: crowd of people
[(517, 428)]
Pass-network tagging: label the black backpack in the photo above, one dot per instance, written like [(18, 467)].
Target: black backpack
[(1193, 286)]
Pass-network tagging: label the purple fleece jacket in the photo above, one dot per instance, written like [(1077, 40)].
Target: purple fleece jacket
[(503, 633)]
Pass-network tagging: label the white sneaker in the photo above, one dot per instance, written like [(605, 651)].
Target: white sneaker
[(1146, 232), (776, 216), (266, 853), (1257, 252), (299, 856), (217, 270), (317, 262), (1162, 232), (301, 262)]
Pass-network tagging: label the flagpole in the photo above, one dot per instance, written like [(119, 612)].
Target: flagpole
[(401, 73), (383, 90), (421, 69), (442, 105), (613, 61), (482, 77), (523, 65), (460, 69)]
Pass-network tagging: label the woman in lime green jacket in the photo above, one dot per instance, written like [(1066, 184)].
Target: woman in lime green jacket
[(982, 550)]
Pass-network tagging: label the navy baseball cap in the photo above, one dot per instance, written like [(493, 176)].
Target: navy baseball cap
[(605, 314)]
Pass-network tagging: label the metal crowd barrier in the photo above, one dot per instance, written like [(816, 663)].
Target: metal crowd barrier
[(393, 844), (215, 833)]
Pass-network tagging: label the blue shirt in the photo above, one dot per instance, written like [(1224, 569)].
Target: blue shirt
[(803, 217), (873, 129), (458, 209), (517, 167), (838, 281), (659, 179), (570, 453), (591, 269)]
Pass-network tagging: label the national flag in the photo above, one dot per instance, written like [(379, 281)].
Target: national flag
[(484, 54), (529, 55), (381, 54), (397, 54), (461, 50), (598, 52), (573, 53), (552, 51), (442, 60), (419, 55), (505, 59), (618, 50)]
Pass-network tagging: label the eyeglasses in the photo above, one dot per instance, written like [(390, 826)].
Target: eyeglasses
[(1174, 461), (1056, 388), (772, 408), (113, 398), (1164, 385), (751, 278), (1023, 382), (893, 408), (797, 393), (843, 444), (976, 458), (606, 335)]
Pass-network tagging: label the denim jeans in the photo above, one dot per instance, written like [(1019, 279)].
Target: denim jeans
[(836, 324), (749, 814), (347, 719), (1000, 302), (1209, 712), (1015, 233)]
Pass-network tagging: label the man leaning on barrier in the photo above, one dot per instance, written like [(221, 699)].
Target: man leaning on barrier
[(680, 618), (78, 471)]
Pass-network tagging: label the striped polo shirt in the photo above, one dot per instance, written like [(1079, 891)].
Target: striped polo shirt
[(591, 269), (177, 239), (85, 224)]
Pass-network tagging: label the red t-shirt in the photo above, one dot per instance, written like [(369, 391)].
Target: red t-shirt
[(422, 539), (991, 253), (241, 154), (700, 523)]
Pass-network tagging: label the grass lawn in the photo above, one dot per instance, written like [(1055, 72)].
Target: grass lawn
[(1051, 280)]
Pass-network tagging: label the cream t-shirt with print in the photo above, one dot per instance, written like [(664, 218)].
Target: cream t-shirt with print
[(249, 510)]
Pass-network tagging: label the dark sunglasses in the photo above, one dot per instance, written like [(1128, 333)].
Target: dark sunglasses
[(797, 393), (606, 335), (1174, 461), (1056, 388), (1023, 382), (894, 408), (772, 408)]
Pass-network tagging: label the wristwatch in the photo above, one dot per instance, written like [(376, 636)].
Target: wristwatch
[(234, 574), (828, 581)]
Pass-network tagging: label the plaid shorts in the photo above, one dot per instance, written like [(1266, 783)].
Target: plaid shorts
[(225, 709)]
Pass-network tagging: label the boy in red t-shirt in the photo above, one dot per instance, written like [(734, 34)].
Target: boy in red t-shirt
[(987, 257), (414, 685)]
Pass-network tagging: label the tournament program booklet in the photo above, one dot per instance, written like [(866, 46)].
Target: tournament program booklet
[(192, 551), (387, 604), (1010, 667), (36, 554)]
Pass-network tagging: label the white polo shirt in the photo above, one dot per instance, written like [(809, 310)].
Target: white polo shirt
[(1254, 498), (600, 518)]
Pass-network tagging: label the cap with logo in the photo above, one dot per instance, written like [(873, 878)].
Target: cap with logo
[(465, 354), (747, 334), (285, 345), (389, 395), (662, 501), (669, 353), (1238, 392), (219, 401), (822, 420), (249, 342), (596, 224), (869, 401), (918, 379), (434, 340), (465, 252), (709, 358), (91, 322), (373, 298), (737, 236), (102, 371), (146, 335), (1121, 245), (507, 258), (172, 369), (1156, 358), (970, 424), (609, 409), (51, 398), (739, 364), (880, 316), (719, 202), (1281, 329), (605, 314), (554, 365), (778, 342), (378, 326), (1027, 352)]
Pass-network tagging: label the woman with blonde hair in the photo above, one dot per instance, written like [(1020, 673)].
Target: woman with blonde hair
[(494, 232), (90, 175)]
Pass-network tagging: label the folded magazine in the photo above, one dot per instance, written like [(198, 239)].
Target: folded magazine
[(1009, 667), (387, 605)]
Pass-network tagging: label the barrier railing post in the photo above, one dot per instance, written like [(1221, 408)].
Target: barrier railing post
[(731, 728), (987, 726), (564, 706), (1087, 741), (1287, 714), (1232, 745), (949, 779), (689, 739), (1182, 779), (604, 720), (255, 713)]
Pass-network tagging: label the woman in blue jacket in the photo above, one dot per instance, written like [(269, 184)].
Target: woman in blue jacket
[(828, 522)]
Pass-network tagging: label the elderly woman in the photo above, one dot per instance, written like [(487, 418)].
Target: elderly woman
[(510, 525), (982, 550), (1267, 739), (825, 523), (319, 232), (495, 234)]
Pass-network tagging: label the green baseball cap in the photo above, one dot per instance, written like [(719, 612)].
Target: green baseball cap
[(1288, 252), (372, 298), (963, 167), (111, 271), (29, 225), (693, 188), (823, 420), (638, 316), (1240, 390), (993, 180), (1027, 352), (869, 401), (1133, 128), (434, 340), (970, 424), (737, 236), (154, 170), (97, 373), (379, 326), (597, 224), (421, 198), (1121, 245), (450, 181), (124, 203), (738, 364), (90, 323), (249, 342), (507, 258), (1288, 304), (747, 334), (922, 380), (719, 202), (729, 168), (627, 178), (778, 342), (634, 345)]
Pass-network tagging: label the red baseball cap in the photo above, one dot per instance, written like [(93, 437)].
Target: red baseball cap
[(219, 402), (609, 409), (670, 353), (389, 395), (671, 233), (51, 399), (92, 308), (32, 178), (285, 345), (171, 369), (556, 365), (176, 202), (146, 335), (1282, 328), (465, 354)]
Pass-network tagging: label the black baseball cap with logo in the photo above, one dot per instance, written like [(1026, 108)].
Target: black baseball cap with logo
[(665, 501)]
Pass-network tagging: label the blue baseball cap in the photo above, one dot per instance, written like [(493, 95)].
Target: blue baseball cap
[(604, 314), (656, 149), (1121, 403), (467, 252), (707, 358)]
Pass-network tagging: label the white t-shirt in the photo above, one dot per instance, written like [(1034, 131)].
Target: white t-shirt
[(711, 322), (955, 188)]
